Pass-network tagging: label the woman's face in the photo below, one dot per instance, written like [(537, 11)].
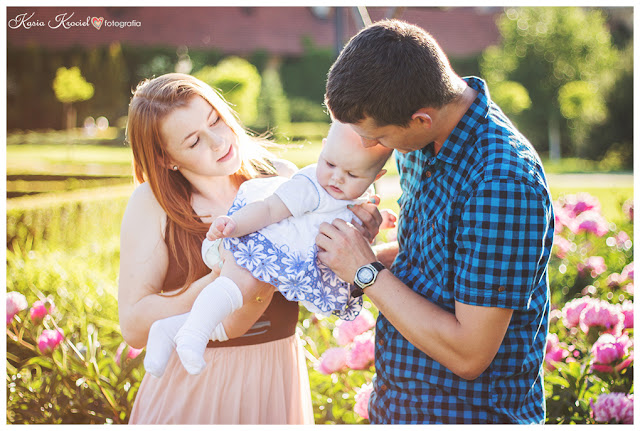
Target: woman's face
[(199, 142)]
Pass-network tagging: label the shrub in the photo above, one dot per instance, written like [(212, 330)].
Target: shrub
[(239, 83)]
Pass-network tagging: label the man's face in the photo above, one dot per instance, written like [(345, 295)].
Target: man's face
[(404, 139)]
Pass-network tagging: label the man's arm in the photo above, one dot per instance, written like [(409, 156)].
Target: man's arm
[(465, 341)]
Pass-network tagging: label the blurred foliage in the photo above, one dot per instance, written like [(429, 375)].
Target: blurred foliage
[(273, 106), (70, 86), (239, 83), (545, 49), (511, 97), (303, 110)]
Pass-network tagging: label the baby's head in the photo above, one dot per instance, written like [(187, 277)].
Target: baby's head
[(346, 169)]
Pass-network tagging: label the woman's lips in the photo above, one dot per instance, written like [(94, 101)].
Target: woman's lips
[(227, 156)]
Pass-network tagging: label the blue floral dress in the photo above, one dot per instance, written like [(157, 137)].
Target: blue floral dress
[(284, 254)]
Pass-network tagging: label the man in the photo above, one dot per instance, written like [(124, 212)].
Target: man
[(464, 305)]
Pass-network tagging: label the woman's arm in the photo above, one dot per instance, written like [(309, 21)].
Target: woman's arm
[(143, 267)]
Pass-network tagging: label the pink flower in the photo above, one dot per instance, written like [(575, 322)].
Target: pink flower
[(622, 241), (594, 265), (49, 340), (39, 310), (627, 208), (580, 203), (590, 221), (615, 407), (362, 400), (16, 302), (332, 360), (614, 280), (131, 352), (563, 218), (562, 246), (602, 314), (629, 288), (627, 272), (626, 308), (554, 351), (361, 355), (346, 330), (611, 353), (572, 309)]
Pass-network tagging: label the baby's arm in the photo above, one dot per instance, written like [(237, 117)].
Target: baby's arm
[(250, 218)]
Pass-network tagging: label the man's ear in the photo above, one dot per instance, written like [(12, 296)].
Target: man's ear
[(422, 116), (380, 174)]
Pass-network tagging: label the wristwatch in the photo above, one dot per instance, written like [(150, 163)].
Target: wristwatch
[(365, 276)]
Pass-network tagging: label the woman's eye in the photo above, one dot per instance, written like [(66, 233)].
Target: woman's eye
[(215, 121), (195, 143)]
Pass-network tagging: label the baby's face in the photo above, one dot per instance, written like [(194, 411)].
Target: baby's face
[(345, 168)]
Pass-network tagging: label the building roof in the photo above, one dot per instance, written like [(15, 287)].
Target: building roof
[(461, 31)]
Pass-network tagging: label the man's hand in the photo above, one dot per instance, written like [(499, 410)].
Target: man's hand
[(221, 227), (370, 216), (343, 248)]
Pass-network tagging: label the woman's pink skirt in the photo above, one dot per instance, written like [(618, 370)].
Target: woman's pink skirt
[(257, 384)]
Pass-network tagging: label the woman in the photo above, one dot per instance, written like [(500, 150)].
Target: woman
[(190, 156)]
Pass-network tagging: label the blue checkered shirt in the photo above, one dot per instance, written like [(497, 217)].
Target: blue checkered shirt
[(475, 226)]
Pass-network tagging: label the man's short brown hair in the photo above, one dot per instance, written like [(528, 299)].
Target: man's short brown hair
[(388, 71)]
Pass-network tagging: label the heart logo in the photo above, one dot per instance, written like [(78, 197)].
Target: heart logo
[(97, 22)]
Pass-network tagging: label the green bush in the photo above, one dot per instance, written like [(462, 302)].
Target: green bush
[(239, 83), (273, 106), (304, 111)]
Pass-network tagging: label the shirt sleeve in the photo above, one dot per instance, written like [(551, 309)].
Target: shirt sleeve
[(501, 240), (299, 194)]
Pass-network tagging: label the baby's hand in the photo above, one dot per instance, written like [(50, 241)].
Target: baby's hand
[(221, 227), (389, 219)]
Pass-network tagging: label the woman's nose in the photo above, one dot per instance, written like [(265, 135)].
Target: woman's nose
[(215, 140)]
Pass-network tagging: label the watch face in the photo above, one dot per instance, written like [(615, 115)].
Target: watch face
[(365, 275)]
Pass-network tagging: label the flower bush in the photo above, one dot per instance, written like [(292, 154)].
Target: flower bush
[(589, 359)]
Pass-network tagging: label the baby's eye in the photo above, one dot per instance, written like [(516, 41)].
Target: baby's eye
[(331, 165), (352, 175)]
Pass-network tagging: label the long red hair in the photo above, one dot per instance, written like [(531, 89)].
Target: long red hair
[(152, 101)]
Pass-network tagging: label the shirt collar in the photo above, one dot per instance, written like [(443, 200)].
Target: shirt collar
[(475, 116)]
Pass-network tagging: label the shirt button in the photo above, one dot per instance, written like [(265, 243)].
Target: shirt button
[(415, 219), (381, 342), (384, 387), (501, 289), (428, 174)]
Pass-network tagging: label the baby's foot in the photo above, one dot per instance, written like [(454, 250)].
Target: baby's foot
[(190, 346), (160, 344)]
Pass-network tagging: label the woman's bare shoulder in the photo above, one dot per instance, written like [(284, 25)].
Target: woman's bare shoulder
[(144, 205)]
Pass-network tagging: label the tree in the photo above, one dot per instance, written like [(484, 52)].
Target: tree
[(565, 58), (70, 87)]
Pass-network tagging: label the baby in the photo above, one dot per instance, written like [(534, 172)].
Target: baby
[(273, 238)]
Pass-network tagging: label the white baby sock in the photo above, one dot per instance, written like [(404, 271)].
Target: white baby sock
[(160, 344), (216, 301)]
